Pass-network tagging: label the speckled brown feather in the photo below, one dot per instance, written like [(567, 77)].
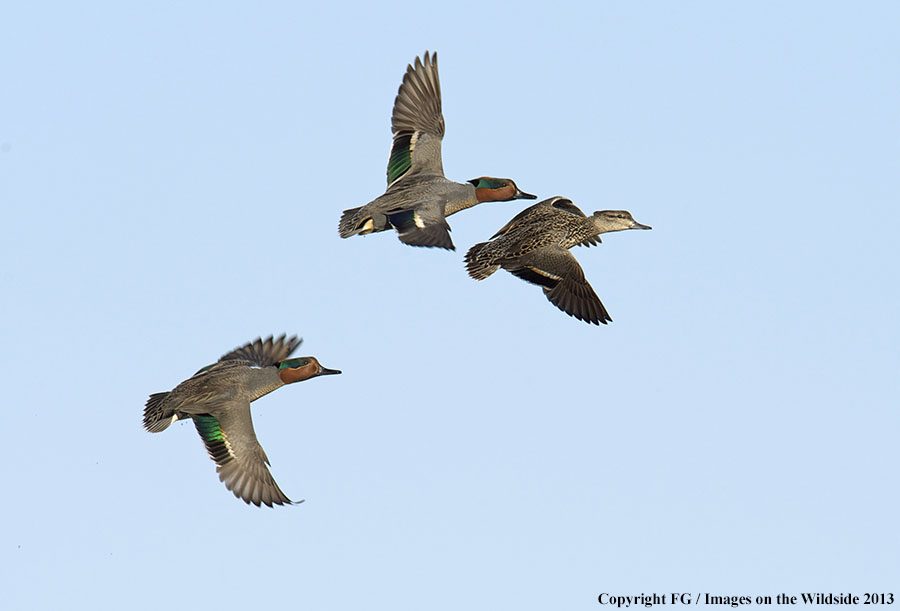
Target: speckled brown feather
[(534, 245)]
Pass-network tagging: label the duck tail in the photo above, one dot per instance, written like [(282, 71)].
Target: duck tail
[(480, 262), (350, 221), (158, 417), (360, 221)]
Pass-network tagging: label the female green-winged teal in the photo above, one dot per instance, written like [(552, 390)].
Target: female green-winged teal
[(218, 399), (535, 245), (418, 197)]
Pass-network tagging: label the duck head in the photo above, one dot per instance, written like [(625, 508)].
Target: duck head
[(302, 368), (489, 189), (616, 220)]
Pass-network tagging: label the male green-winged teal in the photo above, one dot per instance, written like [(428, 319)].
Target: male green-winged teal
[(218, 399), (535, 245), (418, 197)]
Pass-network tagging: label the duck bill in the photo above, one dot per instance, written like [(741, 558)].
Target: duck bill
[(639, 226), (325, 371), (520, 194)]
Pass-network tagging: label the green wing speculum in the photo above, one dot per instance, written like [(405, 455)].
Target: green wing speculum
[(417, 122)]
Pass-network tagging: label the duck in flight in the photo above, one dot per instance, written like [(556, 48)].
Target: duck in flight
[(419, 198), (534, 246), (217, 398)]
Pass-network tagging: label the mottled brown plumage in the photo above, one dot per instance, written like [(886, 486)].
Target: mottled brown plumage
[(534, 246)]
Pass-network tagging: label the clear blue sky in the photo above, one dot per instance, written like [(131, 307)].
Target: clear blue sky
[(171, 179)]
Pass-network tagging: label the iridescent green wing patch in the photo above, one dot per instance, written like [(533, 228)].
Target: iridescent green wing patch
[(404, 219), (401, 156), (213, 438)]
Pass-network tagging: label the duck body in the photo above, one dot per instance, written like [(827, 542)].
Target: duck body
[(419, 197), (417, 208), (534, 246), (217, 398)]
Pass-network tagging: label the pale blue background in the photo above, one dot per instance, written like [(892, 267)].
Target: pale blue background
[(171, 180)]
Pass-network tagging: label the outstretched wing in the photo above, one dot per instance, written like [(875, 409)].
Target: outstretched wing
[(240, 460), (417, 122), (557, 271), (265, 352), (423, 225)]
